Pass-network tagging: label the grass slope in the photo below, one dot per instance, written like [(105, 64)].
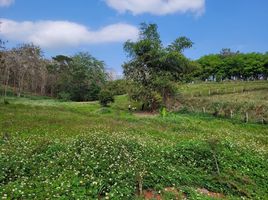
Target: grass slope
[(229, 100), (65, 150)]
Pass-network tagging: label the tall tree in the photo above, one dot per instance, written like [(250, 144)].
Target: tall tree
[(152, 68), (80, 77)]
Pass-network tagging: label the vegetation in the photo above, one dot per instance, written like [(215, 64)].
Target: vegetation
[(58, 142), (233, 66), (243, 101), (106, 97), (153, 69), (77, 78), (53, 149)]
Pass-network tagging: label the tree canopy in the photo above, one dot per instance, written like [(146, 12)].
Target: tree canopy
[(153, 68), (233, 66), (79, 77)]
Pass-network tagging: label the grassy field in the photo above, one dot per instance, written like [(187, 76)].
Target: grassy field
[(65, 150), (230, 100), (210, 88)]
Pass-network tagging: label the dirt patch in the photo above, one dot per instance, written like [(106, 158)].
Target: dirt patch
[(150, 194), (154, 195), (210, 194), (178, 195)]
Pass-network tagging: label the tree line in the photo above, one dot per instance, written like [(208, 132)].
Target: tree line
[(24, 69), (229, 65), (151, 72)]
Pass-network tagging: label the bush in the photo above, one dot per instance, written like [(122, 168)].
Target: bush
[(106, 97), (65, 96), (6, 102)]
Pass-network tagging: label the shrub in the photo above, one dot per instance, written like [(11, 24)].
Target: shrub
[(6, 102), (106, 97), (163, 112), (65, 96)]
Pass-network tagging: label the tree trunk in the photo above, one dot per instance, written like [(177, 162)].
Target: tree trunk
[(6, 81)]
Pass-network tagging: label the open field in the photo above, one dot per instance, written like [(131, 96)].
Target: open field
[(70, 150)]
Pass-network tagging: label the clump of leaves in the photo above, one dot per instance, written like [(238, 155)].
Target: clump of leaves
[(64, 96), (106, 97)]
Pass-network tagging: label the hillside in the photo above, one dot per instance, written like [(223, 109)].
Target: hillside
[(240, 101)]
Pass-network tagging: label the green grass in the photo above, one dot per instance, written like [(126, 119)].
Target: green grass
[(222, 99), (67, 150), (210, 88)]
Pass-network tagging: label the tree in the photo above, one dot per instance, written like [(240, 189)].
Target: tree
[(265, 73), (24, 69), (180, 44), (118, 87), (152, 68), (80, 76), (105, 97), (27, 61), (3, 68)]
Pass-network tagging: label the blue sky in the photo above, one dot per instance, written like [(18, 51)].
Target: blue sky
[(101, 26)]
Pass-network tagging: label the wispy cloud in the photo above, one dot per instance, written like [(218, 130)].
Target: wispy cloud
[(58, 34), (158, 7), (6, 3)]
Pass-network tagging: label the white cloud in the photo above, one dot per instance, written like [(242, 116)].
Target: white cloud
[(58, 34), (6, 3), (158, 7)]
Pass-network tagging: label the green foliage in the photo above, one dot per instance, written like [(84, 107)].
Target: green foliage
[(180, 44), (118, 87), (153, 68), (64, 96), (163, 112), (106, 97), (232, 65), (80, 76)]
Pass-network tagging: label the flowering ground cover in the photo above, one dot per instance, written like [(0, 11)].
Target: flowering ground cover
[(64, 150)]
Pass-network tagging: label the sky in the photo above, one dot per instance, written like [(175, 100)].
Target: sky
[(101, 27)]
